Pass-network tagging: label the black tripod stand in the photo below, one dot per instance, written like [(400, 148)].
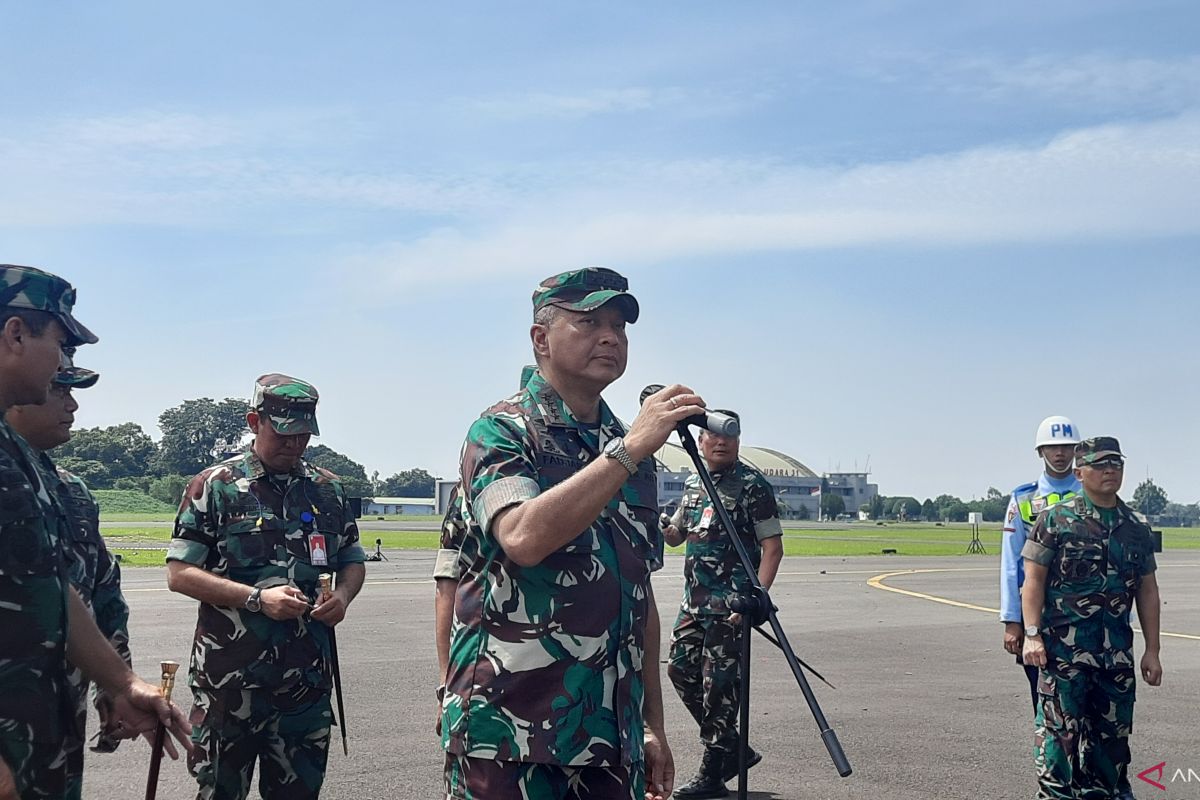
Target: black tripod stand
[(756, 608)]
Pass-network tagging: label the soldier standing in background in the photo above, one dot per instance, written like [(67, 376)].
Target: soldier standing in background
[(706, 639), (93, 571), (1055, 445), (252, 537), (1088, 560), (43, 622)]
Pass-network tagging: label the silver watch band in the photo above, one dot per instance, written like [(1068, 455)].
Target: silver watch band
[(616, 450)]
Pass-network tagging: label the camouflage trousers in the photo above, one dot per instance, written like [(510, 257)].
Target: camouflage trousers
[(287, 732), (1084, 718), (39, 768), (703, 666), (470, 778)]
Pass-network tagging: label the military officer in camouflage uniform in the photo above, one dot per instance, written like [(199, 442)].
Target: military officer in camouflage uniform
[(94, 573), (252, 537), (706, 639), (42, 620), (1087, 561), (553, 686)]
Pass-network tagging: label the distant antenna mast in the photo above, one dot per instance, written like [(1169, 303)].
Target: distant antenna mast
[(867, 468)]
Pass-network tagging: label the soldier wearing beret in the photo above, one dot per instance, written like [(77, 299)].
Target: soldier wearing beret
[(706, 639), (93, 571), (252, 537), (43, 621), (553, 684), (1088, 561)]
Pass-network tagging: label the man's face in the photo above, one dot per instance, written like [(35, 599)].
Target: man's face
[(1104, 477), (1058, 456), (278, 452), (585, 346), (41, 357), (720, 452), (48, 425)]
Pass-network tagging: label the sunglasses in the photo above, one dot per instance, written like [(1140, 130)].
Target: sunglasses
[(1108, 463)]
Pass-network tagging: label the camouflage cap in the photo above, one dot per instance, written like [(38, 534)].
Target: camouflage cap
[(76, 378), (1091, 450), (289, 403), (586, 290), (38, 290)]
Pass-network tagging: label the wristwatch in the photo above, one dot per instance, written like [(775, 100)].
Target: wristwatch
[(615, 449), (1032, 630), (253, 604)]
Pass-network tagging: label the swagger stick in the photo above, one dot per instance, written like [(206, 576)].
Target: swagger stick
[(169, 668), (337, 670)]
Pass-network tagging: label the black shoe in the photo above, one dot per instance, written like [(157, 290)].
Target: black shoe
[(730, 769), (707, 781)]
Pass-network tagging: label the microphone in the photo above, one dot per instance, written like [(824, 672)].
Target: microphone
[(714, 421)]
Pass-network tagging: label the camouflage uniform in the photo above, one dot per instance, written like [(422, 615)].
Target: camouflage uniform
[(705, 646), (1096, 559), (36, 704), (261, 686), (96, 577), (544, 690), (454, 531)]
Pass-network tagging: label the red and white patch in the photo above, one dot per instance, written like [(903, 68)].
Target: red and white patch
[(318, 556)]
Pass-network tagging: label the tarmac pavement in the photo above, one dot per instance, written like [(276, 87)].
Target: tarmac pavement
[(928, 704)]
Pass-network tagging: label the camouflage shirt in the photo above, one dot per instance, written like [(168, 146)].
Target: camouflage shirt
[(1095, 572), (546, 661), (35, 701), (454, 530), (93, 571), (712, 571), (241, 523)]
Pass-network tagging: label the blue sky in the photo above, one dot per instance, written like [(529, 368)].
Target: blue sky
[(906, 231)]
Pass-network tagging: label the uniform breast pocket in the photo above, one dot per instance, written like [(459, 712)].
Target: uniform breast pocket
[(26, 547), (248, 545), (1084, 561)]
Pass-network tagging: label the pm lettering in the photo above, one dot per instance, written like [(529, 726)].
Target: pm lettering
[(1058, 430)]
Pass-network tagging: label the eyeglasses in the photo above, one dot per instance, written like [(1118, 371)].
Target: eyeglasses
[(1117, 464)]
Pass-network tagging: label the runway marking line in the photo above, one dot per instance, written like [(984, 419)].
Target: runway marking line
[(877, 582)]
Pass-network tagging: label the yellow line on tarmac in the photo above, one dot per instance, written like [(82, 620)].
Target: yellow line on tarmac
[(877, 582)]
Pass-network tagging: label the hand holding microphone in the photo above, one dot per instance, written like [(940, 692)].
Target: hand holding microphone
[(713, 421), (663, 408)]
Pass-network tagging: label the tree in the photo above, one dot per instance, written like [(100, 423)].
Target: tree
[(93, 473), (1177, 515), (168, 488), (877, 506), (409, 483), (832, 505), (125, 451), (802, 512), (197, 432), (1149, 498), (928, 511), (353, 475)]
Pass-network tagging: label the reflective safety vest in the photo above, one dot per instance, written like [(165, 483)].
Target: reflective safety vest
[(1031, 503)]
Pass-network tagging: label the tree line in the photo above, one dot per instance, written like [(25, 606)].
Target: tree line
[(194, 435), (1149, 498)]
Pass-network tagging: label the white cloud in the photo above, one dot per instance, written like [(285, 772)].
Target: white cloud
[(1114, 181), (575, 105)]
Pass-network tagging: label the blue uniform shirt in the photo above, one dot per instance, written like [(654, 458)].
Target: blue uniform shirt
[(1027, 501)]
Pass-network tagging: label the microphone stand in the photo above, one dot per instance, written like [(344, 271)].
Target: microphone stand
[(756, 608)]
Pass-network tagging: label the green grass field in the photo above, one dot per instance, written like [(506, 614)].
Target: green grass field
[(856, 540), (128, 502)]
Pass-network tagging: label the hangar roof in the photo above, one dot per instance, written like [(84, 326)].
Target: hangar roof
[(674, 458)]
